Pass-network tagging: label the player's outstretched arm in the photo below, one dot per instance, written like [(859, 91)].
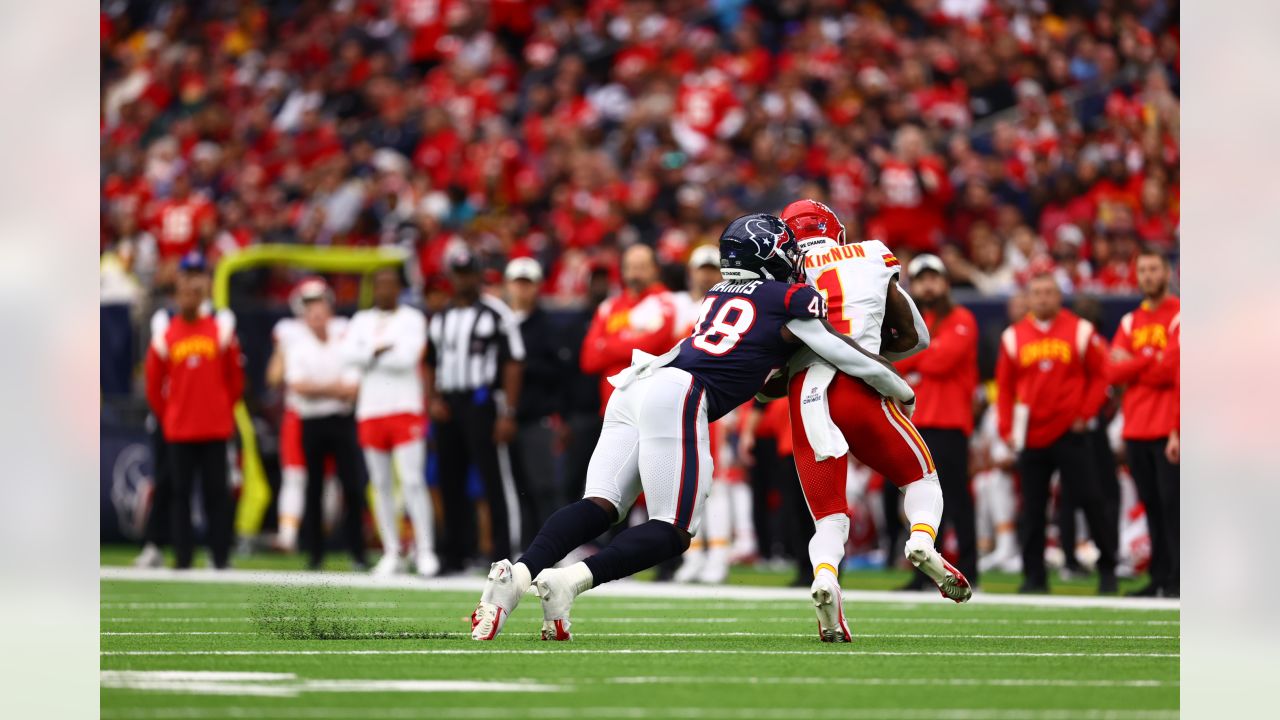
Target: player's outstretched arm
[(849, 357), (902, 314)]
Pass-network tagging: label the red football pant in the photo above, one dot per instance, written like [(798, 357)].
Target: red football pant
[(390, 431), (879, 435)]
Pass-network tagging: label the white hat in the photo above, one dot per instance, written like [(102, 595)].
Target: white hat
[(1068, 233), (524, 268), (925, 263), (704, 255)]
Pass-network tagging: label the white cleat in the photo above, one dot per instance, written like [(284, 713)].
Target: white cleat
[(150, 557), (427, 564), (557, 588), (951, 582), (690, 566), (828, 602), (390, 565), (502, 592)]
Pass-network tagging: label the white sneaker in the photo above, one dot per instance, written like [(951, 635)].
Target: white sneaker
[(690, 566), (557, 587), (716, 568), (390, 564), (951, 582), (150, 557), (505, 586), (828, 602), (427, 564)]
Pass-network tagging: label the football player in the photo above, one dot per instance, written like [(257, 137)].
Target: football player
[(655, 426), (833, 413)]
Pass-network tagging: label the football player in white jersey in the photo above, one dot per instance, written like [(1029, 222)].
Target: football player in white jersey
[(835, 414), (387, 343)]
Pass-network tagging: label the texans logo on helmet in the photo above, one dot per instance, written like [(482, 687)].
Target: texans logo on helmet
[(760, 228)]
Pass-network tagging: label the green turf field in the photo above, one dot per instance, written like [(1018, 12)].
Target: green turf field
[(214, 650)]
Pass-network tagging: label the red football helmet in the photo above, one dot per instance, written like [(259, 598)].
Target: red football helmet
[(811, 219)]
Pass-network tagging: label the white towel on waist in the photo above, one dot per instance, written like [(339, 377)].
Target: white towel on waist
[(824, 437), (642, 365)]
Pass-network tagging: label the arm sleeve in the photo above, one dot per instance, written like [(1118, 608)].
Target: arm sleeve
[(356, 348), (155, 371), (512, 341), (1125, 372), (598, 355), (233, 368), (406, 351), (948, 351), (839, 351), (430, 346), (656, 341), (922, 330), (803, 302), (1095, 389), (1006, 385)]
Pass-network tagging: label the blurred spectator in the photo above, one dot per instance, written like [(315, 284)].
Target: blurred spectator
[(944, 376), (195, 375), (628, 121), (324, 390), (641, 317), (474, 366), (913, 194), (1051, 381), (1144, 360)]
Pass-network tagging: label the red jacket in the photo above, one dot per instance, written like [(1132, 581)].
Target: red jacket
[(625, 322), (1048, 379), (195, 374), (946, 373), (1150, 335)]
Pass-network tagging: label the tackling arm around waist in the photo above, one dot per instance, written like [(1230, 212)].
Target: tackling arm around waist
[(849, 358)]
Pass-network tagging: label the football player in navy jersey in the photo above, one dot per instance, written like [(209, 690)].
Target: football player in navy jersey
[(655, 426)]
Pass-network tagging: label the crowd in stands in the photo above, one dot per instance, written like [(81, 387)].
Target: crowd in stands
[(1007, 136)]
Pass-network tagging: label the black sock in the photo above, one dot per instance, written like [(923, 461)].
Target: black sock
[(566, 529), (635, 549)]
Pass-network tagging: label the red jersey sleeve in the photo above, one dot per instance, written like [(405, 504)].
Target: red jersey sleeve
[(156, 371), (1006, 383), (948, 350), (1095, 389), (1125, 372), (598, 355)]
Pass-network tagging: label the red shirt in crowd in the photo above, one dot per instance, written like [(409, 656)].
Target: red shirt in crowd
[(195, 374), (1150, 335), (911, 213), (177, 224), (1048, 377), (623, 323), (945, 374)]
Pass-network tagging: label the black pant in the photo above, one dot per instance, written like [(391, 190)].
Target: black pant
[(1159, 488), (333, 435), (533, 467), (584, 432), (1072, 456), (950, 450), (464, 440), (160, 516), (1104, 462), (765, 475), (206, 460)]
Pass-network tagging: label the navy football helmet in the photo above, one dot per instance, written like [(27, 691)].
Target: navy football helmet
[(759, 245)]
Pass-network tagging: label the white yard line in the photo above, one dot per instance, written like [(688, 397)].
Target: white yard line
[(942, 636), (587, 617), (505, 650), (629, 713), (898, 681), (665, 591)]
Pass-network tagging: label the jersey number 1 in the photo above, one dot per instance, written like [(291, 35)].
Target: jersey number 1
[(832, 289), (719, 335)]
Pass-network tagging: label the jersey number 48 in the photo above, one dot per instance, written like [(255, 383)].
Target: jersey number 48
[(718, 334)]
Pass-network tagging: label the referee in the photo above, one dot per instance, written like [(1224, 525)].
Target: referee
[(474, 366)]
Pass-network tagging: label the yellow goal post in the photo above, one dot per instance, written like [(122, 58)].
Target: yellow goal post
[(255, 495)]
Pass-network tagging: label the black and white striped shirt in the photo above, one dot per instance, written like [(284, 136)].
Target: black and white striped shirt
[(467, 345)]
